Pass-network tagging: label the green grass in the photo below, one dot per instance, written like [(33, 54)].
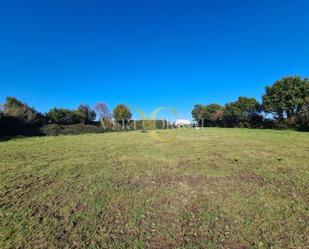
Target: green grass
[(211, 188)]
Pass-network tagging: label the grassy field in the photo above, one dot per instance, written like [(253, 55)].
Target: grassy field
[(211, 188)]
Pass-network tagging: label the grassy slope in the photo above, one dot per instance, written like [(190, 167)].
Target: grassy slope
[(212, 188)]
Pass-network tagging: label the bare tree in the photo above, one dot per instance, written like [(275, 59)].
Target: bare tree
[(103, 111)]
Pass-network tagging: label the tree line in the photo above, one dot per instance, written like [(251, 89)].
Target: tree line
[(18, 118), (285, 104)]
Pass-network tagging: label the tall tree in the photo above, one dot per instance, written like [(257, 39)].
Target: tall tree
[(286, 96)]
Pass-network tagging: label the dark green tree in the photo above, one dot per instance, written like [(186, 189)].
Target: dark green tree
[(63, 116), (302, 117), (210, 110), (198, 114), (86, 113), (207, 115), (286, 97), (243, 112)]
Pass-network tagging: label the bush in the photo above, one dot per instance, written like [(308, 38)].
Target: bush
[(75, 129), (13, 126), (267, 124)]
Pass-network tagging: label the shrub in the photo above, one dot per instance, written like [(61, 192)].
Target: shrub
[(75, 129)]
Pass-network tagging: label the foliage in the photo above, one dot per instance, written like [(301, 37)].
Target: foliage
[(286, 97), (9, 126), (302, 118), (198, 112), (21, 111), (287, 100), (122, 114), (208, 115), (18, 119), (86, 113), (73, 129), (243, 112), (63, 116)]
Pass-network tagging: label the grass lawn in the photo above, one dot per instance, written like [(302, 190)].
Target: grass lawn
[(211, 188)]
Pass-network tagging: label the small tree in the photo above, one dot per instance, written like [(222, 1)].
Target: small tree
[(122, 114), (86, 113)]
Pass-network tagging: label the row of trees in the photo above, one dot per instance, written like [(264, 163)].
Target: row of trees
[(17, 118), (284, 104), (86, 115)]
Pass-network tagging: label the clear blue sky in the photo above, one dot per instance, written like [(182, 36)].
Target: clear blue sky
[(148, 53)]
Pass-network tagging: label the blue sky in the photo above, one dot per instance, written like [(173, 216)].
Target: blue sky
[(148, 53)]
